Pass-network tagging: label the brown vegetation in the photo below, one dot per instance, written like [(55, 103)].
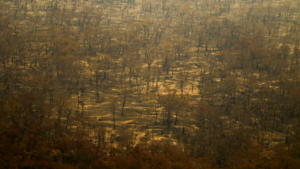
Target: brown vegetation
[(149, 84)]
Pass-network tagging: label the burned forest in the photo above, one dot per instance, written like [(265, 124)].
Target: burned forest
[(128, 84)]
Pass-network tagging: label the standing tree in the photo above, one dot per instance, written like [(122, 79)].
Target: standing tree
[(112, 106)]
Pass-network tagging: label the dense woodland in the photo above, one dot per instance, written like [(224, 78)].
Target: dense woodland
[(150, 84)]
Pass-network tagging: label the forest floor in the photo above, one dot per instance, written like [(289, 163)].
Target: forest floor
[(140, 109)]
